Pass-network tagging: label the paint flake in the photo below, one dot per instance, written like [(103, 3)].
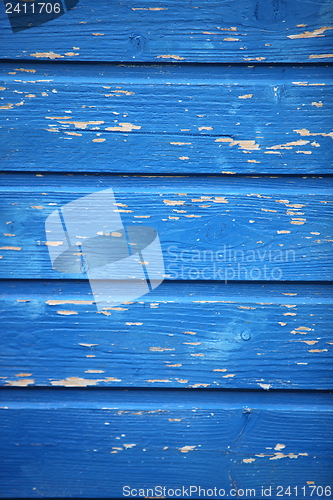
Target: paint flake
[(11, 248), (67, 313), (169, 56), (186, 449), (48, 55), (311, 34), (82, 382), (124, 127)]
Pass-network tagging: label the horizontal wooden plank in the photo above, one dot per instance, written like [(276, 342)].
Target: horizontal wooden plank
[(167, 30), (211, 228), (79, 444), (180, 335), (166, 119)]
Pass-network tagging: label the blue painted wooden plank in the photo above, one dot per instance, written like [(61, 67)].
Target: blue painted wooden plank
[(217, 228), (166, 119), (167, 30), (231, 335), (73, 443)]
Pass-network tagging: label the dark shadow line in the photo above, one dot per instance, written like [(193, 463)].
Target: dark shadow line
[(131, 63), (168, 282)]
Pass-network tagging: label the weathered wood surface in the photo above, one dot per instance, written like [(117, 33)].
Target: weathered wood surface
[(168, 30), (218, 377), (222, 228), (166, 119), (80, 443), (251, 336)]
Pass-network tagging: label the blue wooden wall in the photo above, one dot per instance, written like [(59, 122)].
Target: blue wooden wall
[(211, 122)]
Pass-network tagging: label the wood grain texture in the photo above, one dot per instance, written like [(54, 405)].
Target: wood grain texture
[(66, 445), (250, 336), (167, 30), (218, 378), (222, 228), (166, 119)]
